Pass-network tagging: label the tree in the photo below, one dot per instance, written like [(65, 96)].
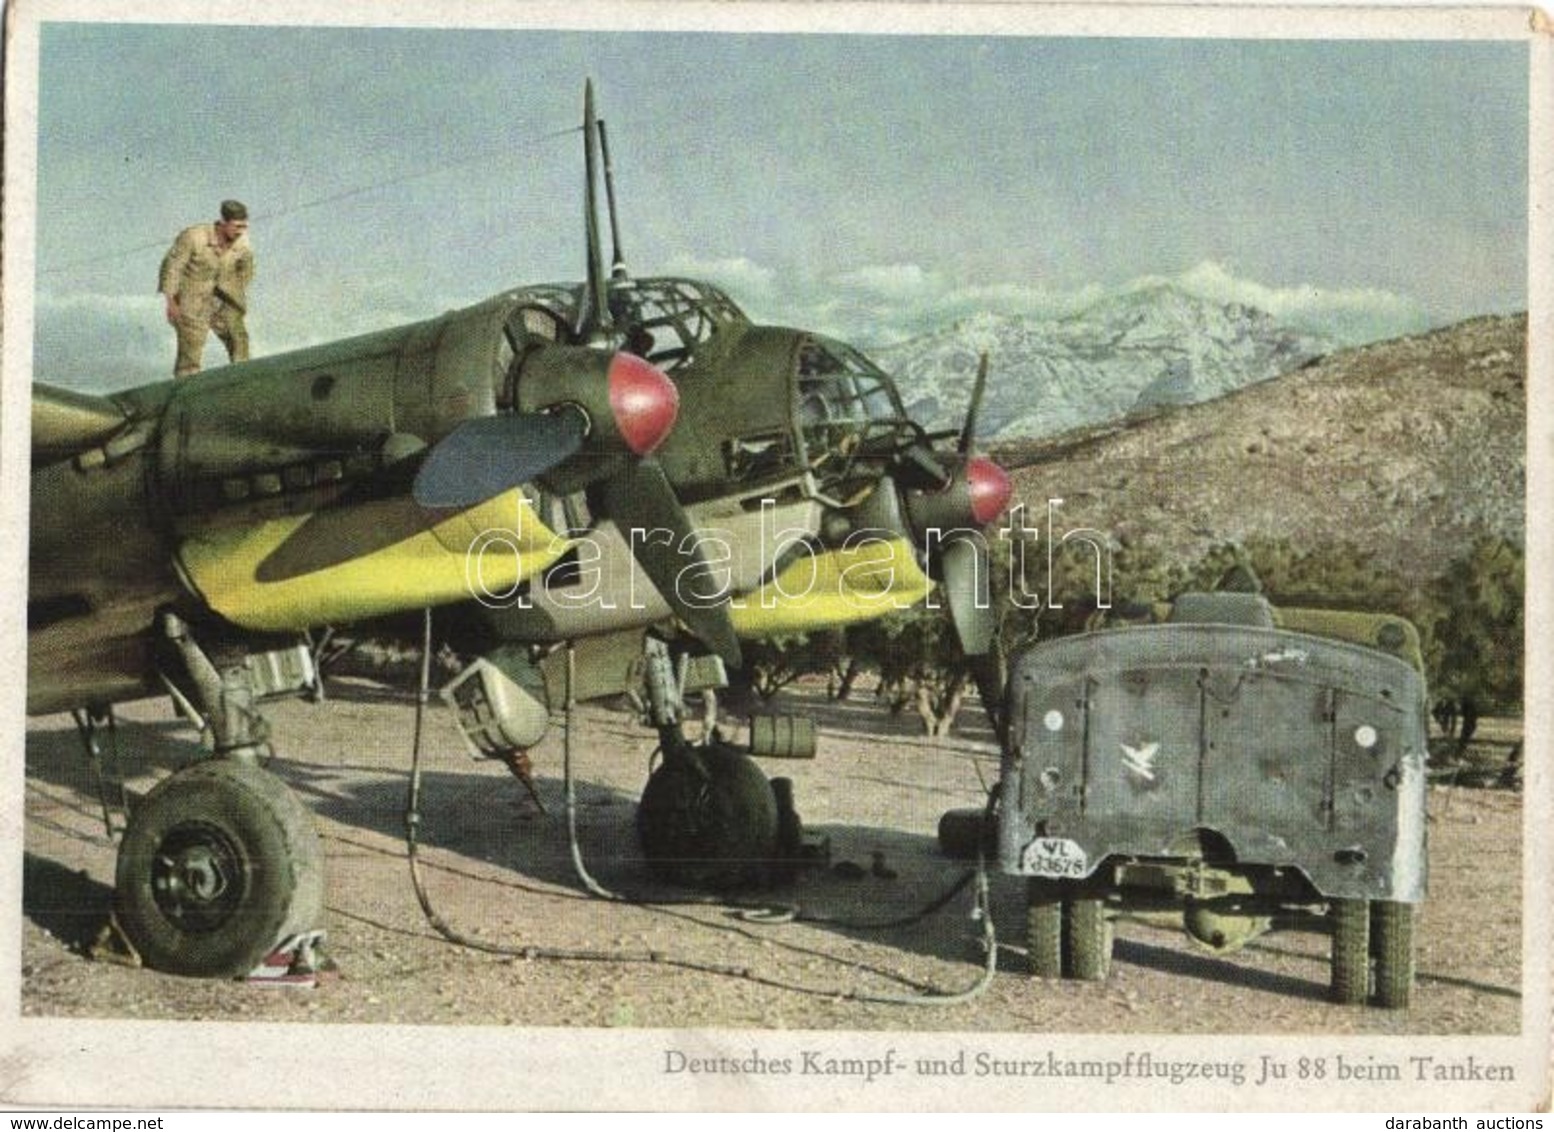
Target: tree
[(1480, 629), (775, 662)]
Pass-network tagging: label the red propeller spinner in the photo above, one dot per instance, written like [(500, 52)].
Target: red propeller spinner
[(976, 492), (644, 402), (989, 489)]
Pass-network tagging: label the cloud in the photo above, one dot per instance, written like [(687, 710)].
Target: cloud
[(112, 341), (899, 281), (748, 283), (883, 304), (1353, 316), (330, 307), (875, 305), (101, 342)]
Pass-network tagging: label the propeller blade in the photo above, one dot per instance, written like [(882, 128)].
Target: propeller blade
[(485, 456), (964, 569), (665, 544), (595, 316), (968, 433), (334, 536), (991, 674), (617, 256), (921, 456)]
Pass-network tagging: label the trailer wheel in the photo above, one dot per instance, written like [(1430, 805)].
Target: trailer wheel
[(1350, 922), (219, 865), (1044, 928), (1392, 938), (1087, 932)]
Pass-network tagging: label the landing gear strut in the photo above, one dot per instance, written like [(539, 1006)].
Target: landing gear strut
[(106, 771), (220, 863)]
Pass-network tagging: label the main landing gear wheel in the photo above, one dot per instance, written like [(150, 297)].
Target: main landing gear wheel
[(220, 863), (708, 819)]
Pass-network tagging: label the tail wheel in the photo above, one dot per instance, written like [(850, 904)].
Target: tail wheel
[(1087, 940), (1392, 941), (1044, 928), (1351, 951), (219, 864)]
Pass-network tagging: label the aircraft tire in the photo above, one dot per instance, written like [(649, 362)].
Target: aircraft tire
[(1087, 939), (713, 830), (1351, 951), (1044, 928), (220, 864), (1392, 941)]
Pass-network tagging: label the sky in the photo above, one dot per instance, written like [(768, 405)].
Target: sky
[(872, 187)]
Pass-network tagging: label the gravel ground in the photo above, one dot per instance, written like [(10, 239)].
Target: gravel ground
[(498, 870)]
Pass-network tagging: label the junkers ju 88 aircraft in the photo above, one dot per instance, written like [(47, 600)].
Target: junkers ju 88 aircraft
[(601, 486)]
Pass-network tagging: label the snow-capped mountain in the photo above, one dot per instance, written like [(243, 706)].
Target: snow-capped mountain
[(1149, 348)]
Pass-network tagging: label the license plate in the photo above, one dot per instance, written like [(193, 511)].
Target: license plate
[(1055, 857)]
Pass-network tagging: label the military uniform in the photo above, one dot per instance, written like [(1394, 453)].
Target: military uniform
[(210, 284)]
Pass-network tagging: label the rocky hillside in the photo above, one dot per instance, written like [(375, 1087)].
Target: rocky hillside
[(1151, 347), (1409, 449)]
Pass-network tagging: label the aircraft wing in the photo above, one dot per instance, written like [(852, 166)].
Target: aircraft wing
[(65, 422)]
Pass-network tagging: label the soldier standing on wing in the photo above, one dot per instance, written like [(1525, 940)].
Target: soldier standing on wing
[(205, 277)]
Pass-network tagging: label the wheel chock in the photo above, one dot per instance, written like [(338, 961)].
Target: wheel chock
[(295, 963), (113, 946)]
